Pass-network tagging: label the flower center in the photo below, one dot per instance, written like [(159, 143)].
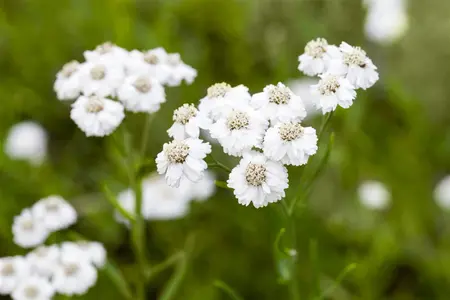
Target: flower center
[(71, 269), (98, 72), (290, 131), (237, 120), (27, 225), (31, 292), (70, 68), (41, 251), (8, 270), (316, 48), (218, 90), (95, 104), (83, 244), (279, 94), (173, 59), (329, 85), (142, 84), (356, 57), (104, 48), (151, 58), (184, 113), (176, 152), (255, 174), (52, 206)]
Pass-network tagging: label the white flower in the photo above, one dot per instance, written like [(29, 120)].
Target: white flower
[(187, 122), (12, 271), (315, 59), (179, 71), (27, 140), (151, 62), (180, 159), (141, 93), (374, 195), (302, 88), (203, 189), (74, 275), (43, 260), (67, 84), (278, 104), (93, 252), (55, 212), (33, 288), (333, 90), (258, 180), (28, 231), (126, 200), (240, 130), (353, 63), (442, 192), (101, 77), (97, 116), (107, 52), (290, 143)]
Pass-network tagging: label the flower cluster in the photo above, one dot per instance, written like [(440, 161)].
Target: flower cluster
[(341, 69), (69, 268), (113, 80)]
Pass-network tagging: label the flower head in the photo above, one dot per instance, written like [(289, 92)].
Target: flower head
[(333, 90), (43, 260), (67, 84), (28, 230), (315, 59), (55, 212), (442, 192), (12, 270), (101, 77), (94, 252), (33, 288), (151, 63), (179, 71), (187, 122), (107, 52), (374, 195)]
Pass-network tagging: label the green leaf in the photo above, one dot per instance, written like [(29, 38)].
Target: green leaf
[(117, 278), (112, 199), (222, 184)]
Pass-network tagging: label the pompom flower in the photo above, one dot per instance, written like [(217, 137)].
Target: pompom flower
[(55, 212), (29, 231), (43, 260), (107, 52), (151, 62), (315, 59), (94, 252), (33, 288), (374, 195), (442, 192), (179, 71), (67, 84), (333, 90), (101, 77), (12, 270), (187, 122)]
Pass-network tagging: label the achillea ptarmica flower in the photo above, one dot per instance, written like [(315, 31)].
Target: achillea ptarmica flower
[(179, 71), (43, 260), (33, 288), (183, 159), (12, 270), (97, 116), (55, 213), (374, 195), (290, 143), (258, 180), (333, 90), (141, 93), (28, 231), (67, 84), (94, 252), (107, 52), (315, 59), (353, 63), (442, 193), (278, 104), (27, 141), (151, 62), (239, 130), (187, 122), (101, 77)]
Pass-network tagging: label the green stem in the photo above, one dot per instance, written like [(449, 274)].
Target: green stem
[(145, 134), (220, 166), (227, 289), (323, 127), (165, 264)]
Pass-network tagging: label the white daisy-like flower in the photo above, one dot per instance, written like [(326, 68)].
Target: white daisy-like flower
[(204, 189), (442, 193), (333, 90), (126, 200), (374, 195), (183, 159), (240, 130), (141, 93), (28, 231), (187, 122), (353, 63), (27, 141), (179, 71), (97, 116), (107, 52), (55, 212), (258, 180), (74, 275), (279, 104), (13, 270), (33, 288), (315, 59), (43, 260), (101, 77), (302, 88), (67, 84), (151, 62), (290, 143), (93, 252)]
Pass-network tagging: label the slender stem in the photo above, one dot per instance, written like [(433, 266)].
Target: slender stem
[(165, 264), (145, 133), (323, 127), (220, 166), (227, 289)]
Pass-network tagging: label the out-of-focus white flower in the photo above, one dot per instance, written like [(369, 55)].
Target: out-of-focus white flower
[(43, 260), (333, 90), (97, 116), (290, 143), (101, 77), (187, 122), (67, 84), (151, 62), (28, 141), (183, 159), (203, 189), (126, 200), (302, 88), (12, 270), (279, 104), (353, 63), (258, 180), (386, 20), (315, 59), (141, 93), (107, 52), (33, 288), (240, 130), (179, 71), (442, 193), (28, 231), (93, 252), (55, 212), (374, 195)]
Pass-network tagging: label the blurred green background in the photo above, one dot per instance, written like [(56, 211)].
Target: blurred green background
[(397, 132)]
